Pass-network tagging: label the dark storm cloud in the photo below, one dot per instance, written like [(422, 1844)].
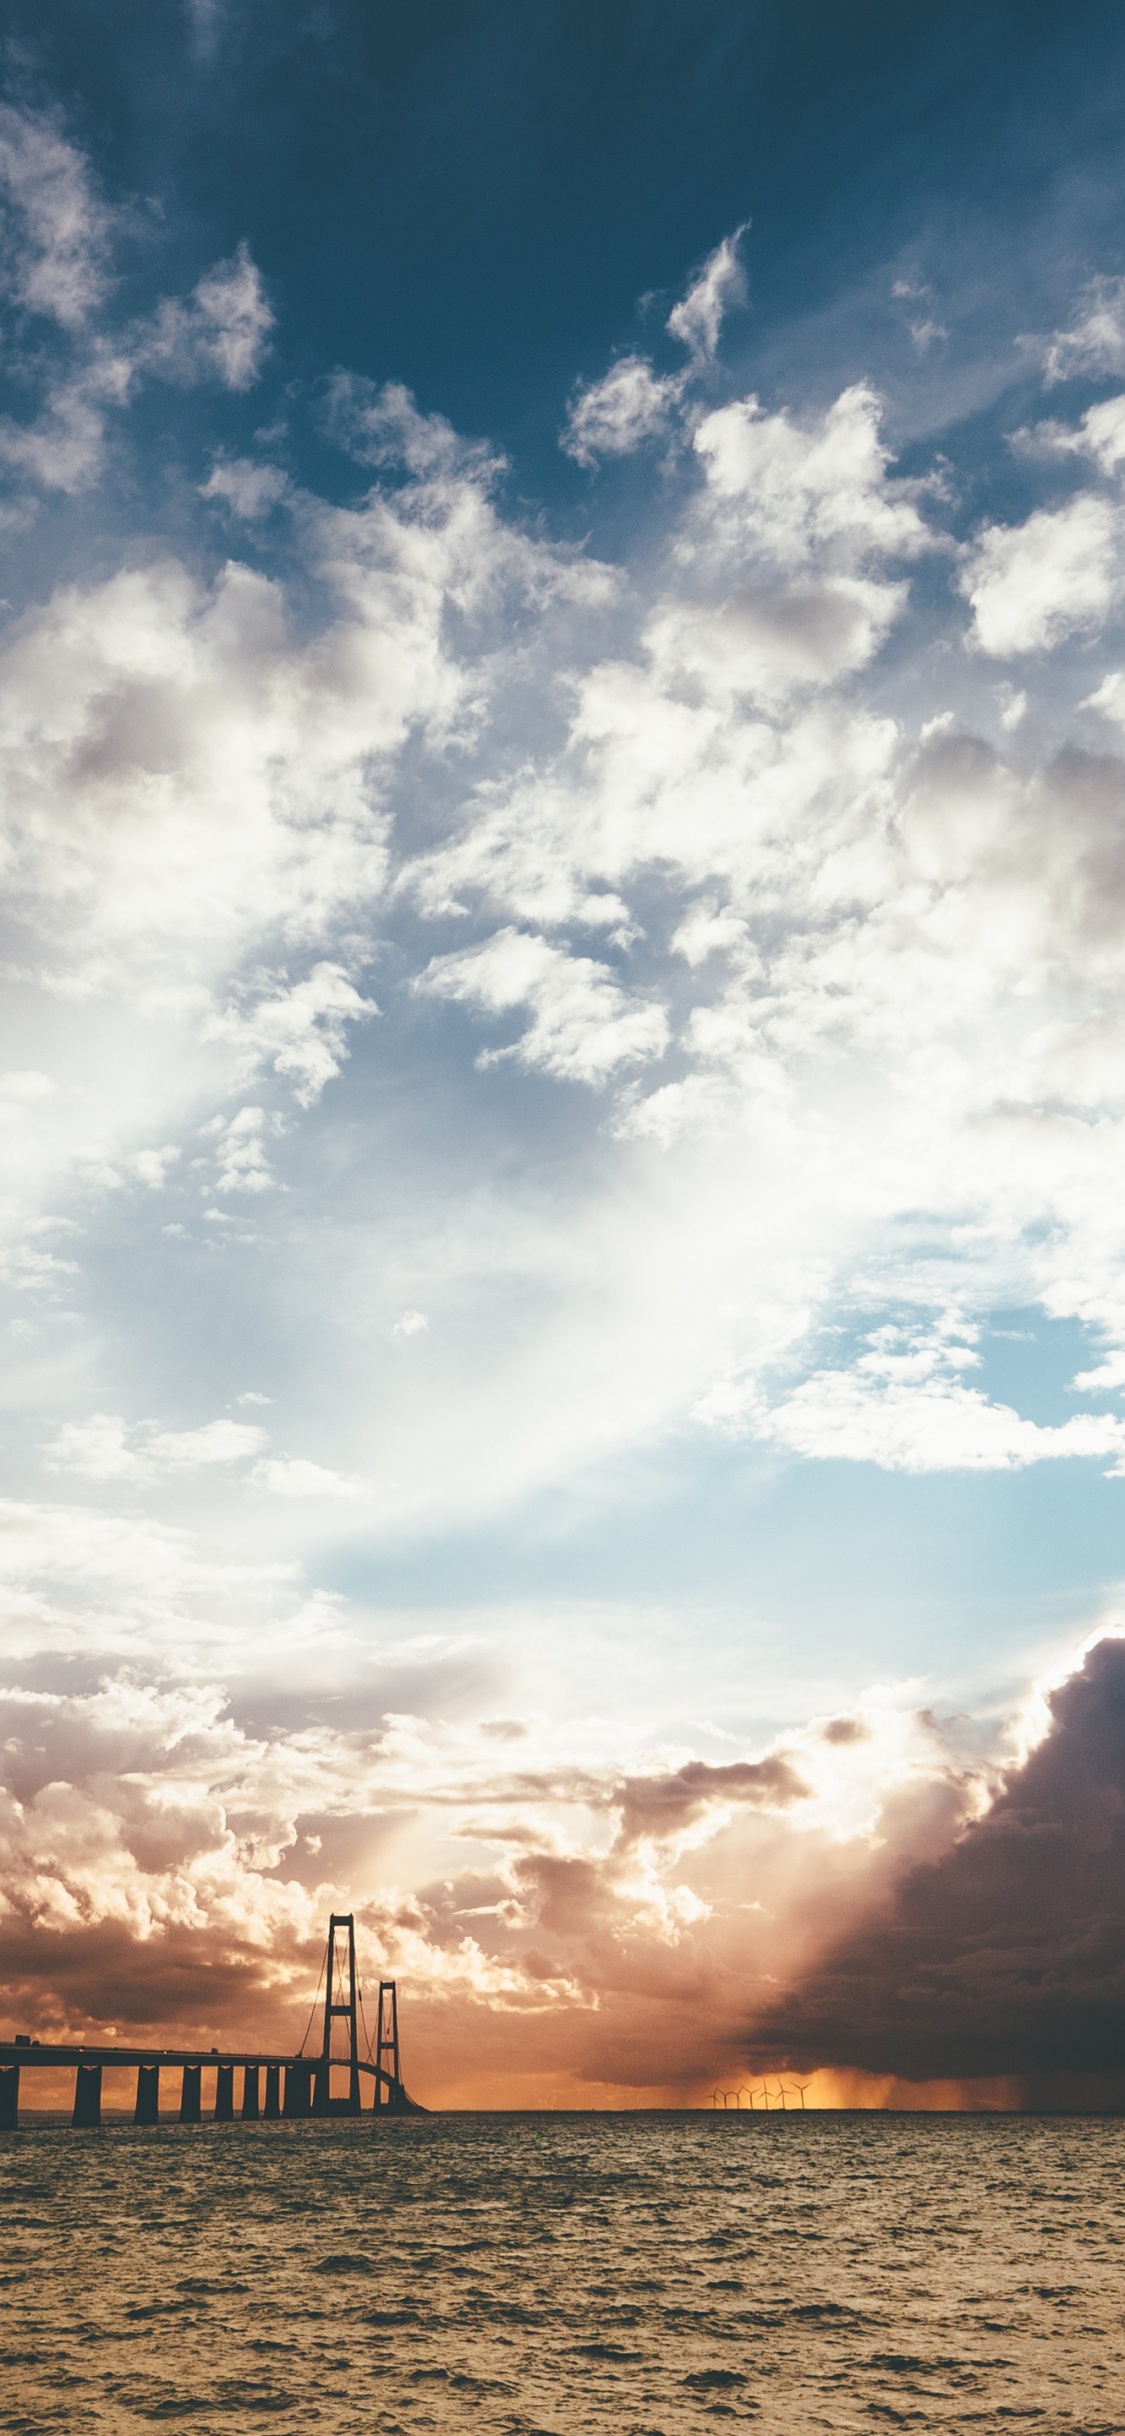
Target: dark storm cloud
[(663, 1805), (1007, 1956), (185, 1983)]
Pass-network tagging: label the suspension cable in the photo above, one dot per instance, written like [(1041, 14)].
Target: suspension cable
[(315, 2001)]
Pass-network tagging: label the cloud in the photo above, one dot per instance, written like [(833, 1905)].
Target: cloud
[(583, 1024), (294, 1476), (167, 699), (925, 330), (804, 495), (698, 317), (1105, 1377), (854, 900), (629, 405), (1096, 341), (1062, 571), (1098, 435), (670, 1806), (905, 1406), (216, 1442), (63, 449), (78, 362), (772, 587), (632, 403), (155, 1843), (57, 227), (99, 1585), (842, 977), (249, 490), (241, 1164), (1059, 573), (1007, 1955), (220, 334), (82, 368), (383, 427), (105, 1449), (153, 1167), (193, 707), (300, 1033)]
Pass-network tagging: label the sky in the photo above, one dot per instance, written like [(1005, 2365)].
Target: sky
[(562, 739)]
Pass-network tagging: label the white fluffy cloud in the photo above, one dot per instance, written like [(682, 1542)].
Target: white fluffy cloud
[(817, 494), (883, 941), (1061, 572), (1095, 341), (105, 1449), (1057, 574), (299, 1032), (799, 921), (583, 1024), (629, 405), (906, 1404)]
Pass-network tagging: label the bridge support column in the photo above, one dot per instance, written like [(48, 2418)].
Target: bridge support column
[(9, 2097), (388, 2089), (341, 1998), (147, 2108), (272, 2107), (190, 2108), (224, 2094), (87, 2097), (297, 2100), (250, 2093)]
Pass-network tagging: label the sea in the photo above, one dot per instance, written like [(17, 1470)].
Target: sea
[(641, 2274)]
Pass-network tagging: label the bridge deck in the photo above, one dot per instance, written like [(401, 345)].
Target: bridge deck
[(37, 2054)]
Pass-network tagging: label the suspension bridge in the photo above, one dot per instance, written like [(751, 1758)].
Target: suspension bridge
[(274, 2087)]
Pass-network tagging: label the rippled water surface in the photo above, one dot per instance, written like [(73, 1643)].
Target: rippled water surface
[(631, 2274)]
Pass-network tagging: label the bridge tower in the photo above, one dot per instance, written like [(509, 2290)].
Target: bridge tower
[(340, 2003), (386, 2047)]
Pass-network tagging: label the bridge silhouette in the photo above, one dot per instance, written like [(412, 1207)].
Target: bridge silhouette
[(295, 2086)]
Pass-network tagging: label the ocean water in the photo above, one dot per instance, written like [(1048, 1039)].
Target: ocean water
[(625, 2273)]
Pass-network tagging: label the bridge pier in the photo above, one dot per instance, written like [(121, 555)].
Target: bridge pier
[(323, 2102), (298, 2099), (9, 2097), (87, 2098), (190, 2108), (224, 2094), (272, 2107), (147, 2108), (250, 2093)]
